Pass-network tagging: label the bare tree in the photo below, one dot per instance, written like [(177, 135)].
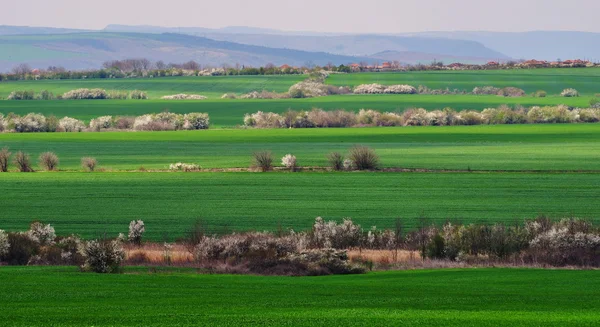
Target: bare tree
[(21, 69), (191, 65), (160, 65)]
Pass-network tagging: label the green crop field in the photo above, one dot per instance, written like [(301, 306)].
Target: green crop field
[(553, 81), (60, 296), (499, 147), (210, 86), (230, 113), (93, 203)]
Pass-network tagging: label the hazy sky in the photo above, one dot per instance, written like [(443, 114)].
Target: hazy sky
[(387, 16)]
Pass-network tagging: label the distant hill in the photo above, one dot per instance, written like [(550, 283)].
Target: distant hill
[(23, 30), (541, 45), (90, 50), (349, 45)]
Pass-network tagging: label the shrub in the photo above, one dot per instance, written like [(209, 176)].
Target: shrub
[(400, 89), (45, 95), (229, 96), (103, 256), (49, 161), (89, 94), (263, 160), (4, 245), (196, 120), (569, 93), (591, 115), (30, 123), (138, 95), (333, 235), (180, 166), (21, 95), (558, 114), (564, 245), (69, 124), (486, 90), (123, 122), (41, 234), (4, 159), (595, 103), (104, 122), (184, 97), (289, 162), (117, 95), (308, 89), (348, 164), (416, 117), (336, 161), (323, 262), (22, 249), (511, 92), (470, 117), (364, 158), (136, 231), (23, 162), (89, 163), (264, 120), (540, 94)]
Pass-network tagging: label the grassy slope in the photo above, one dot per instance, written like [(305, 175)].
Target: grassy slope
[(231, 112), (213, 87), (552, 81), (500, 147), (479, 297), (90, 204)]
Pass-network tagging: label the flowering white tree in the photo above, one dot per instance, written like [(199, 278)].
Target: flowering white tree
[(4, 245), (136, 231), (289, 161), (102, 256), (41, 234)]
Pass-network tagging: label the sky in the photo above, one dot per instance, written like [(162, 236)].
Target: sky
[(340, 16)]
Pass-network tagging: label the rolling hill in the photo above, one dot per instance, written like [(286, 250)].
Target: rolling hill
[(90, 50)]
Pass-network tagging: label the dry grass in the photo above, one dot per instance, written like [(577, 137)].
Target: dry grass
[(154, 253)]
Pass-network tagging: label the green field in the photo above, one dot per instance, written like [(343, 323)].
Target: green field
[(229, 113), (497, 147), (210, 86), (93, 203), (553, 81), (56, 296)]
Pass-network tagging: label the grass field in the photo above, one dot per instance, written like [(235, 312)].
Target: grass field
[(169, 203), (228, 113), (499, 147), (50, 296), (553, 81), (210, 86)]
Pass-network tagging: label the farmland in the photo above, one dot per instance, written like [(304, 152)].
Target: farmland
[(230, 113), (482, 297), (552, 81), (169, 203), (211, 86), (501, 147)]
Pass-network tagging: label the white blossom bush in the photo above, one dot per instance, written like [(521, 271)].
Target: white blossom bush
[(229, 96), (180, 166), (41, 234), (333, 235), (566, 244), (549, 114), (102, 256), (289, 161), (69, 124), (30, 123), (196, 120), (138, 95), (141, 122), (90, 94), (369, 89), (400, 89), (100, 123), (348, 164), (182, 96), (264, 120), (589, 115), (486, 90), (4, 244), (136, 231), (569, 93), (308, 89)]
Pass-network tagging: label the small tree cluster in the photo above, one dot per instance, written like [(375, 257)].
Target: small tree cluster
[(102, 256)]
